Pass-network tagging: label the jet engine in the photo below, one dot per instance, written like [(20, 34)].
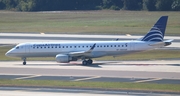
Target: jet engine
[(62, 58)]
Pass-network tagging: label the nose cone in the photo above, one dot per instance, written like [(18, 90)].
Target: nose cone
[(8, 54)]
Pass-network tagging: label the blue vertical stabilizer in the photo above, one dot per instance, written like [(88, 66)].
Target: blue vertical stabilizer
[(157, 32)]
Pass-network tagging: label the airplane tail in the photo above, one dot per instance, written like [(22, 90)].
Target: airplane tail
[(156, 34)]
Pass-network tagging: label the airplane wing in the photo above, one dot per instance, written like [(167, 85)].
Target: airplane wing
[(82, 53)]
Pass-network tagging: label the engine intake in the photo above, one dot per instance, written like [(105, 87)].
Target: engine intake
[(62, 58)]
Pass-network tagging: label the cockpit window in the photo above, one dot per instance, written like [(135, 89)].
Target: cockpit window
[(17, 47)]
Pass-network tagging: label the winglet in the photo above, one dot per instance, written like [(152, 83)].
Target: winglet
[(92, 48), (83, 53)]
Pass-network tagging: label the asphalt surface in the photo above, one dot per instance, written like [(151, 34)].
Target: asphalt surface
[(161, 72), (15, 38), (34, 91), (74, 37), (91, 79), (71, 38)]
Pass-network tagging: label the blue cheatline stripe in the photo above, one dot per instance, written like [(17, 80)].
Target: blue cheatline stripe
[(150, 37), (150, 34)]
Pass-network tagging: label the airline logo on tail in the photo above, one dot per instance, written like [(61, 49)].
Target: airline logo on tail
[(156, 33)]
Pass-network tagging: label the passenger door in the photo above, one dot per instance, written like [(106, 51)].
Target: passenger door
[(27, 48)]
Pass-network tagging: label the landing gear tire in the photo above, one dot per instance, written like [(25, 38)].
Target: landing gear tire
[(90, 62), (87, 62), (24, 63), (84, 62)]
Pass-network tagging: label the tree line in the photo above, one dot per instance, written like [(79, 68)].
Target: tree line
[(60, 5)]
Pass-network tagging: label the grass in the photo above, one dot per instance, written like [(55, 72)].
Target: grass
[(146, 55), (87, 22), (101, 85)]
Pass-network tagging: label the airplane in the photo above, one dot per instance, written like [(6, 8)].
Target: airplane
[(64, 52)]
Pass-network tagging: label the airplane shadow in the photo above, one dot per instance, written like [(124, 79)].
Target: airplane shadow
[(29, 64), (94, 65), (97, 65)]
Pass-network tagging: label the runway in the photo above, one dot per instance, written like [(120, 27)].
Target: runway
[(165, 72), (120, 69), (91, 78), (24, 91), (7, 38), (159, 71)]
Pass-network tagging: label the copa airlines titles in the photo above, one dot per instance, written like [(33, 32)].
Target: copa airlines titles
[(45, 45)]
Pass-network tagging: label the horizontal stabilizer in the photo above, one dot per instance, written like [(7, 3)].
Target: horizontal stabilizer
[(157, 44), (168, 42), (164, 43)]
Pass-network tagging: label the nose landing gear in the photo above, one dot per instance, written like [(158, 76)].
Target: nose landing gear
[(24, 60)]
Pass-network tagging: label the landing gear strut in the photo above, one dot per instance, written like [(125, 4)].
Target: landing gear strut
[(87, 62), (24, 60)]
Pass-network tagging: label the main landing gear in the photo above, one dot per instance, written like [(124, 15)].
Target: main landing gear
[(24, 60), (87, 62)]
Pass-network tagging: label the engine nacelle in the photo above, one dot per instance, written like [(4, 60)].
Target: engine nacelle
[(62, 58)]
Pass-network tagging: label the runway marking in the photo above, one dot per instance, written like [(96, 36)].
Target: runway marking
[(27, 77), (87, 78), (154, 79)]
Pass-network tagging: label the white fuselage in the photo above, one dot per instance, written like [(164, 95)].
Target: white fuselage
[(102, 48)]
